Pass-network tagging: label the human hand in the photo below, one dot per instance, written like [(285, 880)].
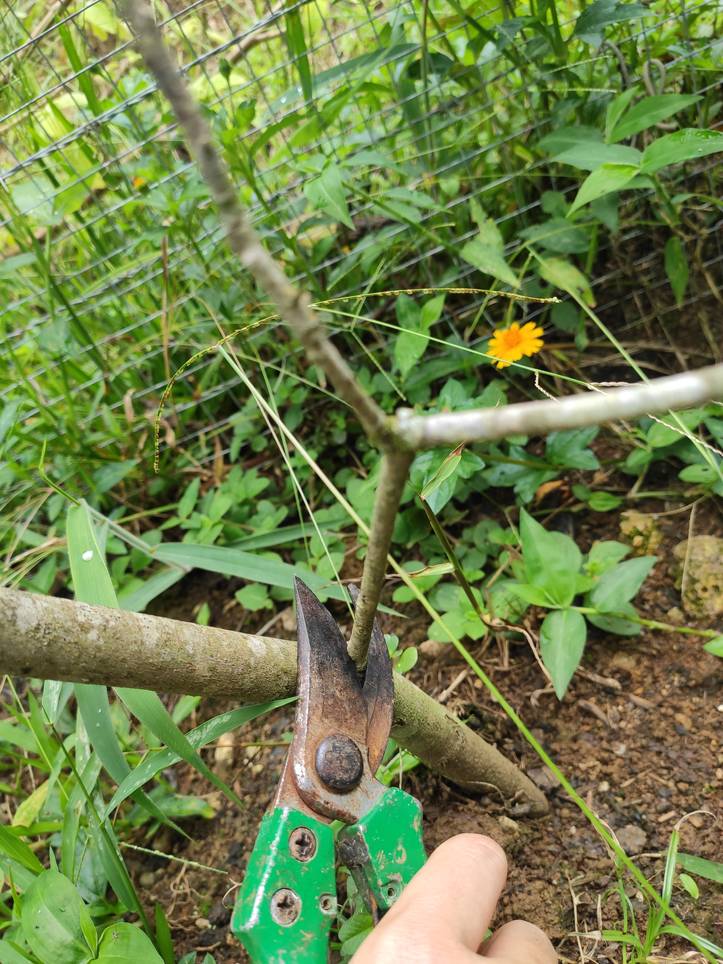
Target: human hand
[(444, 913)]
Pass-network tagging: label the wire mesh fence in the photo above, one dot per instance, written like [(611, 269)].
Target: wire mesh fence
[(360, 135)]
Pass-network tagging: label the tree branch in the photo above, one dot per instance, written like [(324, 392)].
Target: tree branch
[(573, 411), (291, 304), (50, 638), (392, 478)]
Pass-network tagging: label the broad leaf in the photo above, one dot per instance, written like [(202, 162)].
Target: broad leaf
[(552, 560), (715, 646), (562, 643), (676, 267), (710, 869), (680, 146), (489, 260), (618, 586), (604, 180), (650, 111), (52, 920), (590, 155), (12, 846), (561, 274), (122, 943), (594, 19), (327, 193)]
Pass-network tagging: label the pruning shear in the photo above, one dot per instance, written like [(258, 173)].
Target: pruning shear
[(286, 906)]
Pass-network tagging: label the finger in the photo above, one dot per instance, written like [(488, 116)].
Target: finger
[(519, 943), (455, 894)]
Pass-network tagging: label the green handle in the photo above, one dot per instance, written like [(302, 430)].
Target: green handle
[(384, 849), (287, 903)]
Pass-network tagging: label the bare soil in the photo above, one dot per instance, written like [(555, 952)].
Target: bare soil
[(639, 737)]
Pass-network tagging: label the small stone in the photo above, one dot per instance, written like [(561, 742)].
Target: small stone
[(684, 720), (508, 824), (432, 650), (543, 777), (147, 879), (632, 838), (620, 749), (675, 615), (697, 820), (202, 923), (623, 660), (603, 786), (698, 574), (641, 531)]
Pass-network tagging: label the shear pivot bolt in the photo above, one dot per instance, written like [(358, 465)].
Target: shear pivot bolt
[(339, 763), (285, 906), (302, 844)]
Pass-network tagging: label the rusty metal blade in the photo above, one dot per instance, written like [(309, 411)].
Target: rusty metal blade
[(331, 707), (378, 690)]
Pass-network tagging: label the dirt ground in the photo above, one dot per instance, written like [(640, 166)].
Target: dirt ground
[(638, 734)]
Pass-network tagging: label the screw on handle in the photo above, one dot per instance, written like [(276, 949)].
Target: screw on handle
[(287, 902)]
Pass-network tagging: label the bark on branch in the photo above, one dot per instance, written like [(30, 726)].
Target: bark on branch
[(49, 638), (556, 415)]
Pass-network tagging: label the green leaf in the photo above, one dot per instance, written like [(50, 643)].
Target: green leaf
[(668, 430), (489, 260), (561, 274), (445, 471), (619, 624), (650, 111), (604, 501), (327, 193), (200, 736), (570, 450), (689, 886), (189, 498), (715, 646), (562, 642), (16, 849), (91, 581), (235, 562), (551, 560), (149, 709), (530, 594), (122, 943), (51, 920), (594, 19), (253, 597), (558, 235), (616, 108), (604, 180), (710, 869), (590, 155), (618, 586), (680, 146), (676, 267), (29, 810), (411, 343)]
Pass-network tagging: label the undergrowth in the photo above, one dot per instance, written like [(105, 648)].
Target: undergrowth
[(434, 177)]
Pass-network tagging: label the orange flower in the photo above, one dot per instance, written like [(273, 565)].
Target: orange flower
[(510, 344)]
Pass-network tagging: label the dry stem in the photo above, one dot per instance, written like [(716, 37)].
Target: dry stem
[(50, 638)]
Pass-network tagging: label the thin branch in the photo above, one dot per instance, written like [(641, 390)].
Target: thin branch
[(45, 637), (392, 478), (676, 392), (292, 304)]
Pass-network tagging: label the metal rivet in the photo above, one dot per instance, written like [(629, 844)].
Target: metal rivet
[(339, 763), (285, 906), (327, 903), (302, 844)]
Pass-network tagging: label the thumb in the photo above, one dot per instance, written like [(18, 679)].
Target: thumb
[(454, 896)]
